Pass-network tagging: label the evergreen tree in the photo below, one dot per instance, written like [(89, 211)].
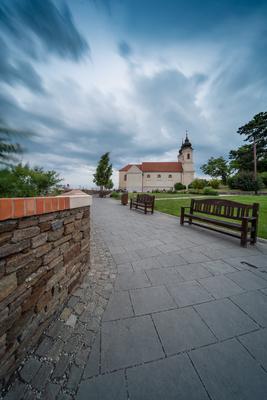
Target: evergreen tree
[(102, 176)]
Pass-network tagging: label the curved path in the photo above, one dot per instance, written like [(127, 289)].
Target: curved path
[(166, 312), (186, 318)]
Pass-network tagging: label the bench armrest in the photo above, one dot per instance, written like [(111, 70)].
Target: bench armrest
[(249, 218)]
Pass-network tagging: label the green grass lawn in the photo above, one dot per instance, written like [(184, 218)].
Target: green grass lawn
[(165, 195), (172, 206)]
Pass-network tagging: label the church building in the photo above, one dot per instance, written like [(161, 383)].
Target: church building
[(150, 176)]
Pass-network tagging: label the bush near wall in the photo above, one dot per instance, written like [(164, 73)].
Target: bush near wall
[(245, 181)]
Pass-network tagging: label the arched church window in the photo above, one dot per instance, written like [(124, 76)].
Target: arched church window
[(148, 176), (159, 176), (125, 177), (170, 176), (188, 156)]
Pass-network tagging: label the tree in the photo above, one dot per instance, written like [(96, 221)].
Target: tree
[(216, 167), (110, 185), (24, 181), (102, 176), (255, 132), (256, 129), (8, 149)]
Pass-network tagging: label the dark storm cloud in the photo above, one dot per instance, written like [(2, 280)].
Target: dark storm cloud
[(15, 71), (160, 20), (27, 20)]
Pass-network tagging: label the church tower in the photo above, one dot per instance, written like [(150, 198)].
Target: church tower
[(185, 157)]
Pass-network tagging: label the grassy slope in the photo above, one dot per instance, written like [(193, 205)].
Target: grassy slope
[(173, 206)]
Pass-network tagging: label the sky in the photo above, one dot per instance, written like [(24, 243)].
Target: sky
[(130, 77)]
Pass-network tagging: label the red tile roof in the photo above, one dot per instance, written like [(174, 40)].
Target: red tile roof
[(156, 167), (128, 166), (162, 167)]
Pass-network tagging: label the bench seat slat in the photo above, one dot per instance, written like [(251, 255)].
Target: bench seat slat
[(225, 224)]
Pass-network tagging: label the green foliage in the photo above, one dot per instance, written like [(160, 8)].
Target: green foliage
[(214, 183), (23, 181), (263, 176), (245, 181), (210, 192), (198, 183), (179, 186), (115, 195), (102, 176), (8, 148), (216, 168), (256, 129), (109, 185)]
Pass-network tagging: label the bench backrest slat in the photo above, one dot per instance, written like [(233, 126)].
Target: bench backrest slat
[(224, 208), (145, 198)]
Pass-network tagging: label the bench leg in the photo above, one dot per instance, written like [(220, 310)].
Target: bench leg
[(253, 235), (244, 233), (145, 209), (131, 204), (182, 216)]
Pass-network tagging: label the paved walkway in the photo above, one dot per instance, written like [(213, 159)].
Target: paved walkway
[(186, 318), (182, 315)]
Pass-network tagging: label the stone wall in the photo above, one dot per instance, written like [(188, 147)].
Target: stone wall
[(42, 259)]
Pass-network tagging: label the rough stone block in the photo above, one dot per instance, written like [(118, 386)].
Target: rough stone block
[(8, 226), (51, 255), (57, 224), (55, 235), (72, 252), (7, 285), (39, 240), (25, 233), (18, 261), (42, 250), (12, 248)]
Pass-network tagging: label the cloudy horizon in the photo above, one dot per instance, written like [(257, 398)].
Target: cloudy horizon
[(130, 77)]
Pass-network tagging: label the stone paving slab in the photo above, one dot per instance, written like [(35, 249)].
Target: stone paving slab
[(132, 280), (149, 300), (189, 293), (254, 304), (256, 343), (193, 271), (128, 342), (182, 330), (172, 378), (225, 319), (229, 372), (163, 276), (221, 286), (103, 387), (119, 306), (248, 280)]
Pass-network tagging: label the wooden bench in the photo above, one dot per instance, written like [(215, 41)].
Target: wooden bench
[(244, 217), (144, 202)]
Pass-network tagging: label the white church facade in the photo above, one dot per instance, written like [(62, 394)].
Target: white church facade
[(149, 176)]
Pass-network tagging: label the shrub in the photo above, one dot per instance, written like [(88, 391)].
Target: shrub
[(179, 186), (24, 181), (115, 195), (263, 176), (214, 183), (245, 181), (210, 192), (198, 183)]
